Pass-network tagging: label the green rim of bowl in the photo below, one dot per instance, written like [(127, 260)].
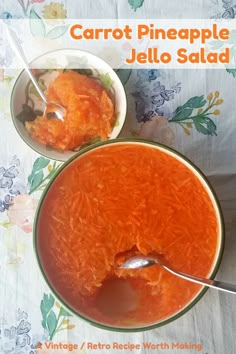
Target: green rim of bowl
[(221, 226), (17, 80)]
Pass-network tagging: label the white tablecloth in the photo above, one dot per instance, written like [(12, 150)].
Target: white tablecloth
[(23, 292)]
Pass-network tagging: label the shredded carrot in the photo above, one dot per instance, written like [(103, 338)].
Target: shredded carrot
[(134, 197), (89, 113)]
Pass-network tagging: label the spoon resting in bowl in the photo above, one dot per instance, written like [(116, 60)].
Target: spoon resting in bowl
[(52, 109), (138, 261)]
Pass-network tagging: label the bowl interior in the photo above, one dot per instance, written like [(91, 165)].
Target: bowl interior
[(211, 195), (69, 59)]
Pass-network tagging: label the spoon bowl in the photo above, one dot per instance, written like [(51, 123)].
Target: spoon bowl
[(141, 261), (52, 109)]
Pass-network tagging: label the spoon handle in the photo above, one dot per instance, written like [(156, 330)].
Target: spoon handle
[(19, 51), (219, 285)]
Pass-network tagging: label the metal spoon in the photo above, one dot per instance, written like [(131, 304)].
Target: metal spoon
[(141, 261), (51, 108)]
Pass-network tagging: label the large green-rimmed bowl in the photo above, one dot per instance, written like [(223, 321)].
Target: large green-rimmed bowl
[(24, 97), (203, 180)]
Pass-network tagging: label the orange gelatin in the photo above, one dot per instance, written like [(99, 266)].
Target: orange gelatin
[(113, 199), (89, 108)]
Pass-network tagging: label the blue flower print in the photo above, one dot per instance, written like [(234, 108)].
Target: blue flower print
[(148, 75), (17, 339), (151, 95), (6, 15), (10, 184), (230, 7)]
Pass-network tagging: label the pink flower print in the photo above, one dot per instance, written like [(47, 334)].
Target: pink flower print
[(22, 211)]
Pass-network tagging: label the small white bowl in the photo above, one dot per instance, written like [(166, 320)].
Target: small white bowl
[(67, 59)]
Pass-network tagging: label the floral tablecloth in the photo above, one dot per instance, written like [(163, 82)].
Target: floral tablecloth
[(30, 316)]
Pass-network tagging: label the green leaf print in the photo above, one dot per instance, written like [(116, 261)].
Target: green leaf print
[(200, 127), (178, 109), (124, 75), (51, 323), (196, 113), (45, 306), (37, 26), (57, 32), (211, 127), (217, 44), (206, 127), (232, 37), (47, 303), (195, 102), (64, 312), (36, 180), (54, 321), (39, 164), (182, 115), (232, 72), (135, 4)]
